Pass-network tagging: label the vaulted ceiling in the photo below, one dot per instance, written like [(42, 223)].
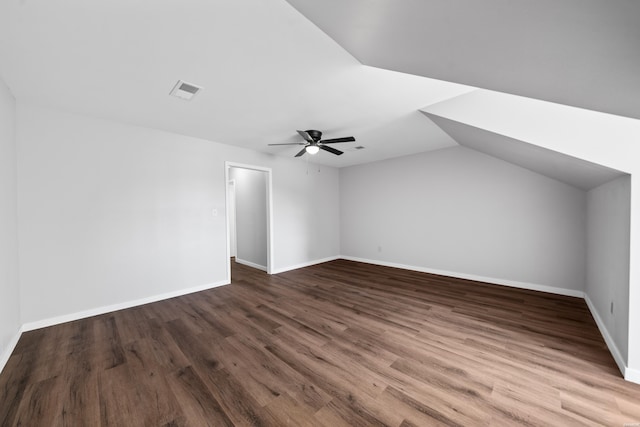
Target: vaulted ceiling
[(348, 67), (583, 53)]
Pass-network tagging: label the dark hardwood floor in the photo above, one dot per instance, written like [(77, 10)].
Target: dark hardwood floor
[(337, 344)]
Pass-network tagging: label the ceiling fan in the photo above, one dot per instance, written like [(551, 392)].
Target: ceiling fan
[(313, 143)]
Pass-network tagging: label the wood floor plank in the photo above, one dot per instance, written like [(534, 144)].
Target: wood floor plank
[(81, 403), (195, 349), (41, 405), (336, 344), (350, 412), (287, 411), (277, 377), (198, 404), (150, 384), (108, 345), (258, 380), (432, 411), (165, 349), (15, 378)]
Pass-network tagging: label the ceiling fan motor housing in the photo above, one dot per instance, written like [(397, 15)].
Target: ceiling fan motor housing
[(314, 134)]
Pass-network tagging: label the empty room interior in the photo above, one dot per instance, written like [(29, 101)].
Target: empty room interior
[(292, 213)]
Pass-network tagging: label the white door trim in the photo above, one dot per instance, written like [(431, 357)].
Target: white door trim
[(227, 166), (232, 227)]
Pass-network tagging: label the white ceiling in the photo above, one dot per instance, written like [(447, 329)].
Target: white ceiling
[(583, 53), (267, 70)]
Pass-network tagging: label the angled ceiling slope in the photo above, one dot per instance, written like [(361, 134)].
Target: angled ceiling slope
[(582, 53), (561, 167)]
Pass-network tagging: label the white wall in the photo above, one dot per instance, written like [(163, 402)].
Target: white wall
[(9, 284), (112, 213), (608, 208), (251, 216), (308, 217), (460, 211)]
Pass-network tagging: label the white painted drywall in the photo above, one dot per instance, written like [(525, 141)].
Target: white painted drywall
[(303, 228), (111, 213), (9, 284), (458, 210), (251, 215), (608, 222)]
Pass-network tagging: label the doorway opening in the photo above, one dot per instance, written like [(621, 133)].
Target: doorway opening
[(249, 216)]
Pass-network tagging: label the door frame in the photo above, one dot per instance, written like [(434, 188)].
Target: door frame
[(227, 166), (232, 215)]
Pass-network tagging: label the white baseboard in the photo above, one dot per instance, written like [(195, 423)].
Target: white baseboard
[(613, 348), (632, 375), (114, 307), (306, 264), (251, 264), (491, 280), (6, 354)]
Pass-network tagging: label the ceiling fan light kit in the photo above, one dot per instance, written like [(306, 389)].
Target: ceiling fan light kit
[(313, 144), (312, 149)]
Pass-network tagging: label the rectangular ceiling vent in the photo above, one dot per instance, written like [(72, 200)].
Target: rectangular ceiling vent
[(184, 90)]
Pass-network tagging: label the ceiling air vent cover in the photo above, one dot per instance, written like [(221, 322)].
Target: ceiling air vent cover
[(184, 90)]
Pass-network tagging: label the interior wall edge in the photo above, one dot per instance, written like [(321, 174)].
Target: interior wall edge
[(38, 324), (4, 358), (608, 339)]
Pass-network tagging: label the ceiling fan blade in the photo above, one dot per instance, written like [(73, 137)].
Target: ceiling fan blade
[(337, 140), (290, 143), (305, 135), (304, 150), (329, 149)]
